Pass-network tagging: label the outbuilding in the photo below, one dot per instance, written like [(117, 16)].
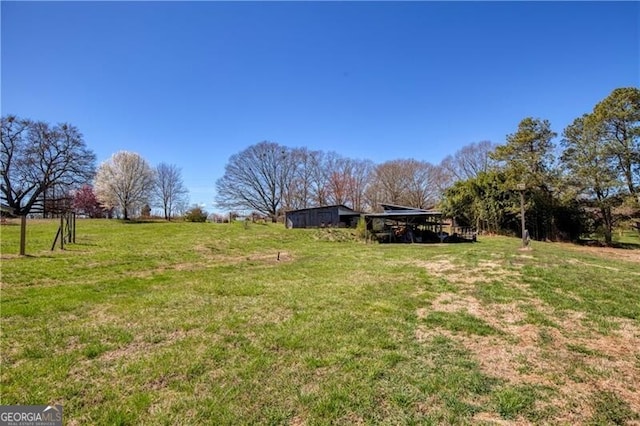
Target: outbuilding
[(338, 215), (401, 224)]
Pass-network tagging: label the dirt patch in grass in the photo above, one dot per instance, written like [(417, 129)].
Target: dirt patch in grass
[(10, 256), (573, 360), (139, 347), (351, 419), (297, 421), (429, 406), (494, 419)]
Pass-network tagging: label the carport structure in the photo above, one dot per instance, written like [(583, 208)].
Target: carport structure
[(401, 224)]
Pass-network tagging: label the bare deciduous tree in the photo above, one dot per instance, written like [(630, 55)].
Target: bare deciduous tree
[(468, 161), (300, 189), (360, 178), (319, 179), (388, 184), (347, 180), (338, 175), (405, 182), (125, 181), (36, 157), (169, 191), (256, 179)]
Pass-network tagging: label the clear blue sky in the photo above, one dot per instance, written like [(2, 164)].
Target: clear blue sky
[(193, 83)]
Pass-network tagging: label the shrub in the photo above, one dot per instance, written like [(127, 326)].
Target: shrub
[(195, 214)]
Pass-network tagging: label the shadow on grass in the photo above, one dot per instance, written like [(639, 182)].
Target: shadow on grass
[(12, 256), (141, 221)]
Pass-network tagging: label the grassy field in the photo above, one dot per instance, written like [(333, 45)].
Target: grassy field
[(187, 323)]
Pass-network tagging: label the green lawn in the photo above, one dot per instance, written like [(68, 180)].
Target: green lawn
[(627, 237), (188, 323)]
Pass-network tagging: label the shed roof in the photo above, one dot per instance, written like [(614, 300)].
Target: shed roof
[(407, 213), (342, 209), (396, 212), (394, 208)]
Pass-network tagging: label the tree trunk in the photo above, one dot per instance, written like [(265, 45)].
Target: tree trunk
[(607, 219), (126, 214), (23, 234), (629, 179)]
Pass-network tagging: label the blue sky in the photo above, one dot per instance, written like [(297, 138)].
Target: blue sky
[(192, 83)]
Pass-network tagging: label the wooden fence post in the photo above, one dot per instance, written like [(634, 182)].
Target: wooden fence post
[(23, 234), (62, 232)]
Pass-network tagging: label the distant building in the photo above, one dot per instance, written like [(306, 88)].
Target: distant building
[(339, 216), (402, 224)]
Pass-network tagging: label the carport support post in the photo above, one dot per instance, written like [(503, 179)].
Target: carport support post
[(23, 234), (366, 228)]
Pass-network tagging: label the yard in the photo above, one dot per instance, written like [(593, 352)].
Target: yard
[(188, 323)]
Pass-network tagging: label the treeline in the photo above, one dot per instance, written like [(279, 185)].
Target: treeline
[(586, 184), (126, 186), (270, 179), (48, 170)]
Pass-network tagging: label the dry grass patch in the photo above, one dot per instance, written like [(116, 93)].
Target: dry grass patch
[(495, 419), (486, 270), (573, 360), (276, 315), (141, 346), (495, 314)]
